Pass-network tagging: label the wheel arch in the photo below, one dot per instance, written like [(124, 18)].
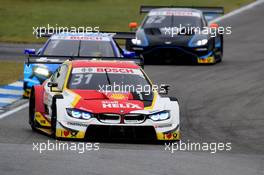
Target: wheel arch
[(39, 98)]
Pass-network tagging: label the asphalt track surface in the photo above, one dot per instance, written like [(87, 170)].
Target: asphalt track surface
[(14, 52), (220, 103)]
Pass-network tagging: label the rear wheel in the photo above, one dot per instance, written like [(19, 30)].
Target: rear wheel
[(25, 93)]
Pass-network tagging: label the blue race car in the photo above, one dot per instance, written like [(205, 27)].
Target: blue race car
[(69, 45), (178, 34)]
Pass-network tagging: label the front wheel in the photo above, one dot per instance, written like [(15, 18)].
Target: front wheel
[(53, 118), (32, 110), (221, 50)]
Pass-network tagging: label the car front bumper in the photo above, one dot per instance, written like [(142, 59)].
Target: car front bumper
[(149, 130), (178, 54)]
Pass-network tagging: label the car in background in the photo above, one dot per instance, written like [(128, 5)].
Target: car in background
[(158, 38), (80, 101), (68, 45)]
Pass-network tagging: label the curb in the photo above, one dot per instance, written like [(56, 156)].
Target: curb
[(10, 93)]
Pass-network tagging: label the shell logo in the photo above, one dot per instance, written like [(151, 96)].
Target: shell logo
[(118, 96)]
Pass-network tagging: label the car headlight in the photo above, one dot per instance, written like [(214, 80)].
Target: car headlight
[(75, 113), (202, 42), (160, 116), (42, 71)]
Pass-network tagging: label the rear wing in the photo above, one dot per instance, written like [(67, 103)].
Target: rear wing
[(122, 35), (210, 13), (114, 34), (56, 59)]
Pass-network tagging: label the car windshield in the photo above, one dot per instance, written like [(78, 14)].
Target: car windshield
[(162, 21), (82, 47), (109, 79)]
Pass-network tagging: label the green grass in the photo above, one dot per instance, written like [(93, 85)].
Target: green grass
[(17, 17), (10, 71)]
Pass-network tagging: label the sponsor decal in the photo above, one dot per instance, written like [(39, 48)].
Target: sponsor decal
[(173, 134), (74, 133), (41, 119), (116, 104), (118, 96), (163, 126), (206, 60), (77, 124), (85, 69), (174, 13), (66, 133), (115, 70), (95, 38), (86, 38), (170, 136), (69, 134), (106, 69)]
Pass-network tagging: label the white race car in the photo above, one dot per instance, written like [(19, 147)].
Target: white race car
[(102, 99)]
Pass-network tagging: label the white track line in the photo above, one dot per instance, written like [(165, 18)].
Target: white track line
[(17, 84), (237, 11), (10, 91), (13, 111), (8, 100)]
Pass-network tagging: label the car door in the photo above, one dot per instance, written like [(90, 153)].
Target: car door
[(58, 77)]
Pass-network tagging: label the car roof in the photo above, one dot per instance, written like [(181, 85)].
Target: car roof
[(97, 36), (103, 63)]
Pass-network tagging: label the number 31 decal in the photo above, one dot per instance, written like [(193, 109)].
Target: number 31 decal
[(79, 78)]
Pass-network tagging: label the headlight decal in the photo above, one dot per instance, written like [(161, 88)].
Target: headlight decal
[(160, 116), (79, 114), (197, 41)]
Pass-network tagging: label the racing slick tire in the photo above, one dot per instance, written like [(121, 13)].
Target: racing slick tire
[(26, 94), (222, 49), (54, 115), (53, 118), (220, 56), (32, 110)]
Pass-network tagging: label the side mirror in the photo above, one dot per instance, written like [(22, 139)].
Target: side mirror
[(129, 54), (133, 25), (52, 85), (164, 89), (30, 51), (214, 25)]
